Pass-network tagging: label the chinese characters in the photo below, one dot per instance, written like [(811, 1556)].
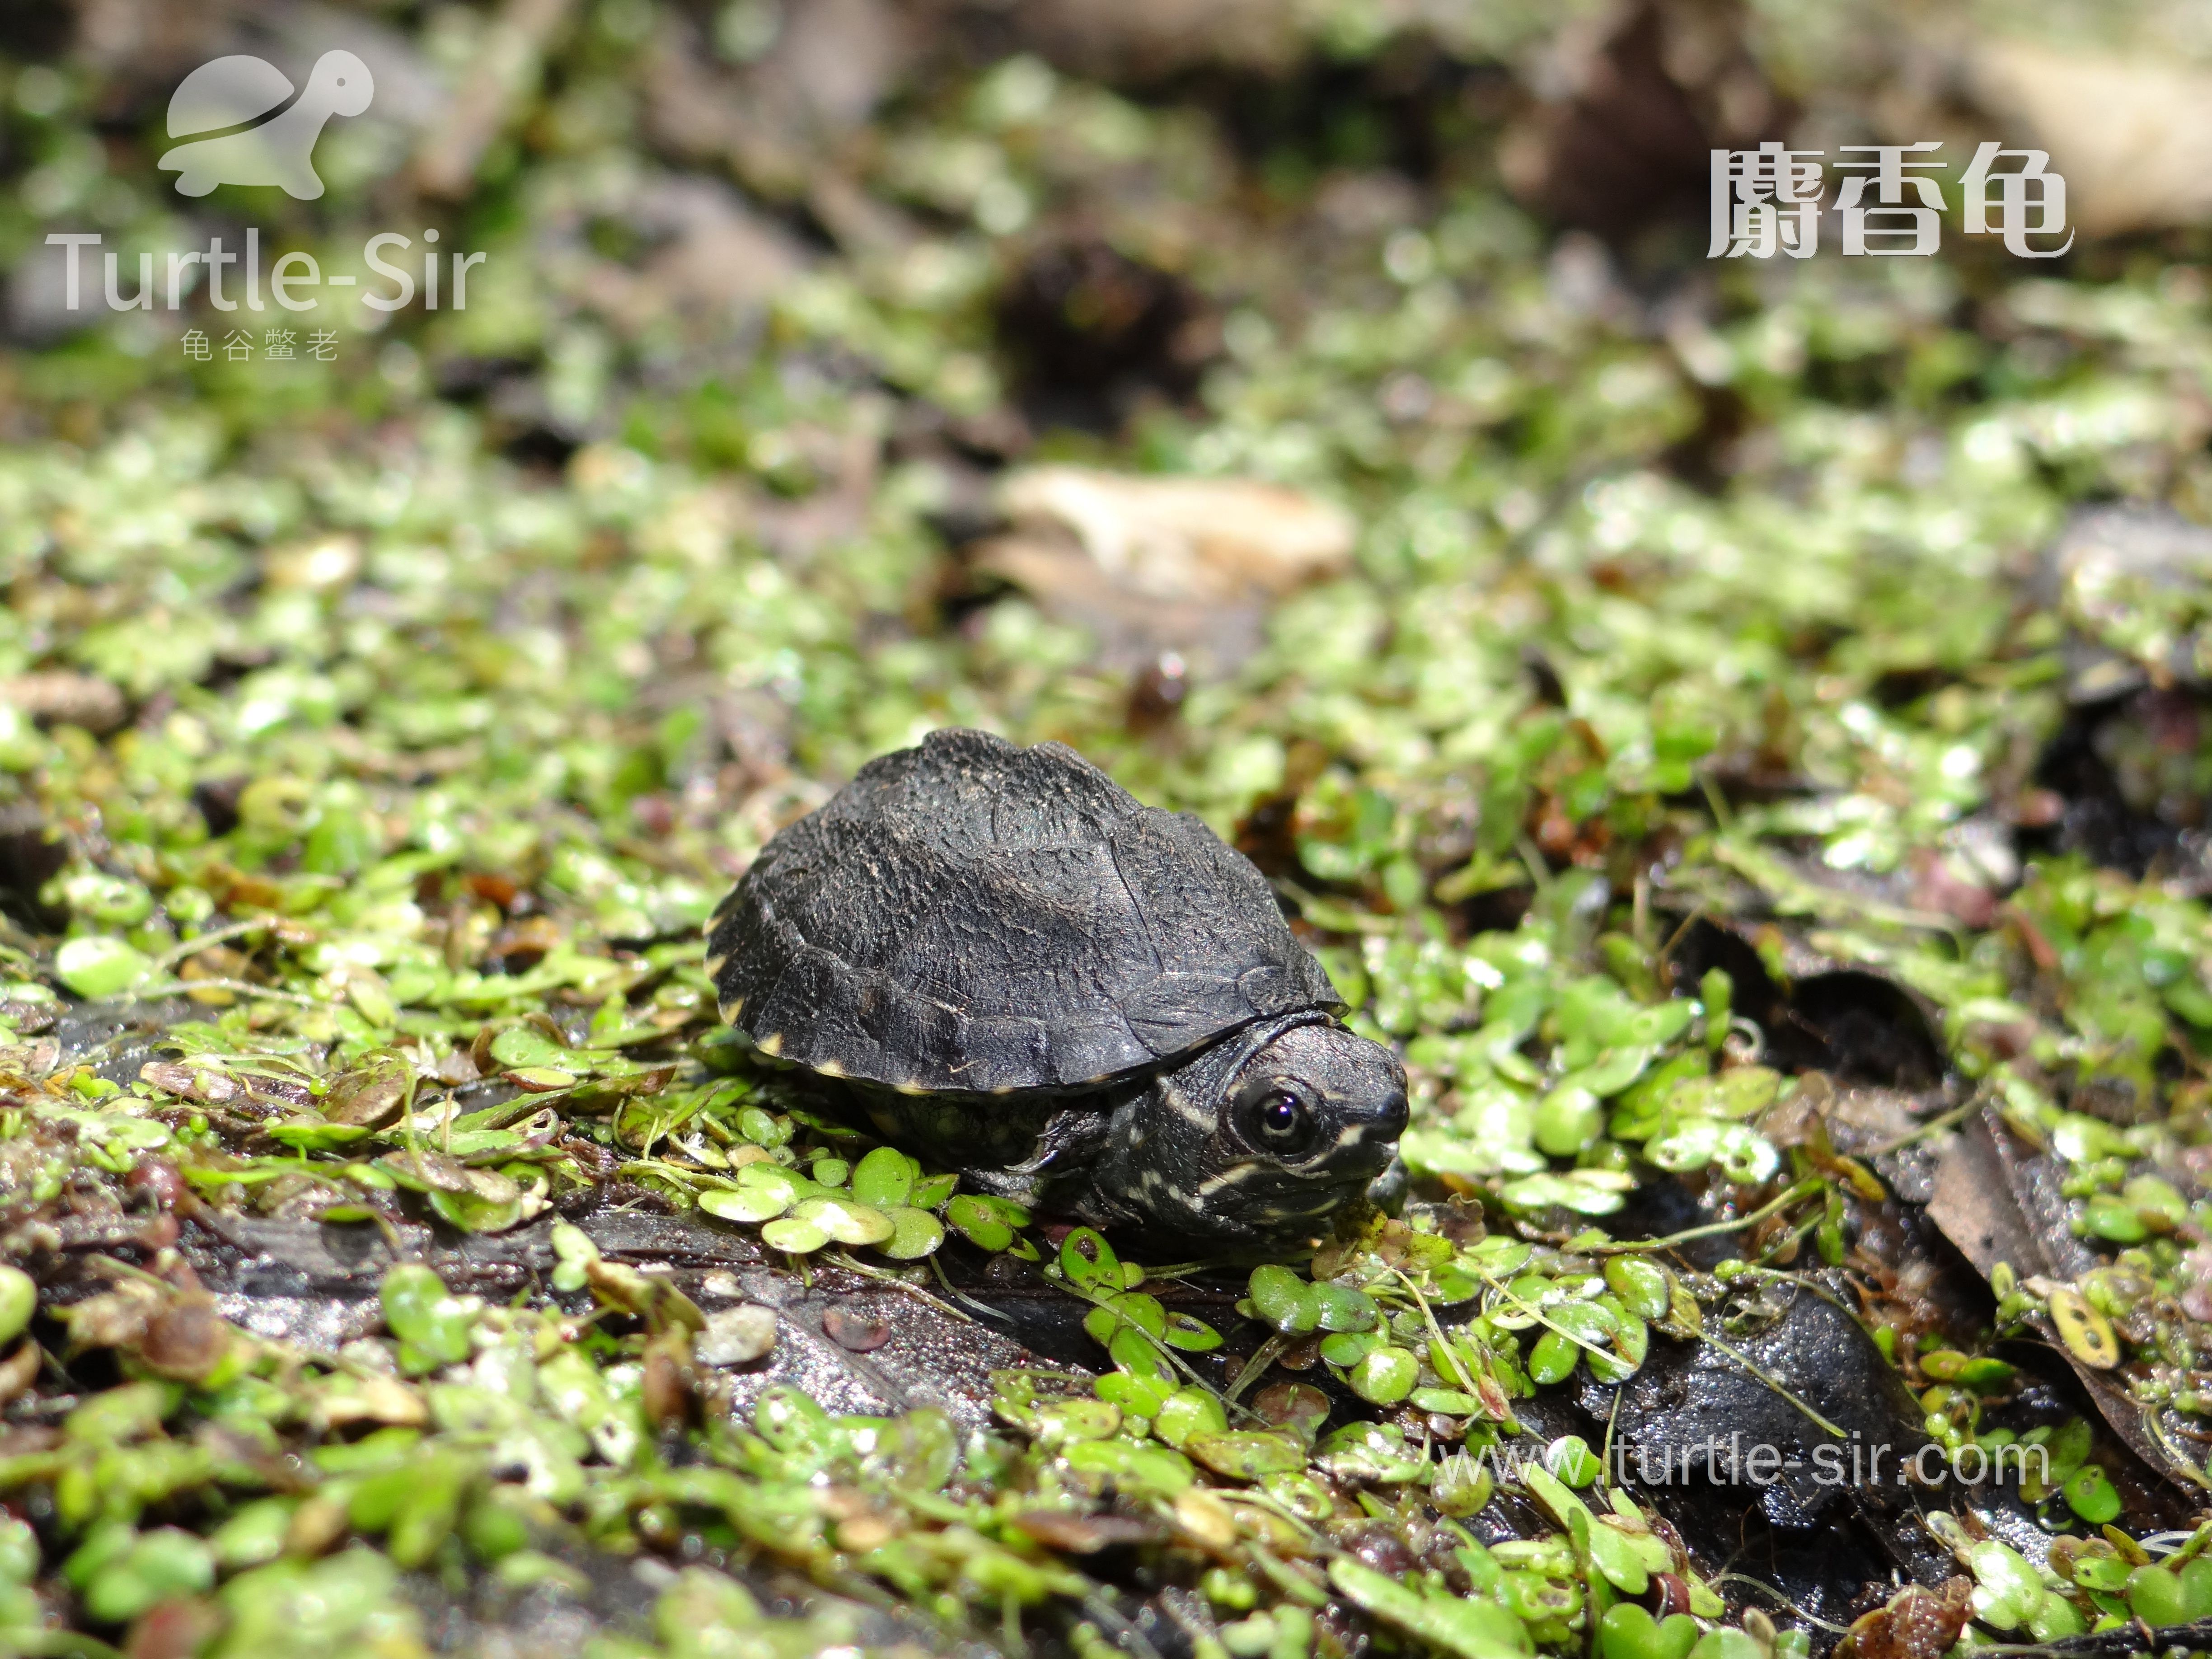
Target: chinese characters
[(277, 345), (1768, 201)]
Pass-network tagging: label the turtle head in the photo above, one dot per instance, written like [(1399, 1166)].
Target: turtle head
[(342, 82), (1260, 1138)]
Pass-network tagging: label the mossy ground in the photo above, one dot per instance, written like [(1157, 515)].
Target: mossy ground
[(378, 735)]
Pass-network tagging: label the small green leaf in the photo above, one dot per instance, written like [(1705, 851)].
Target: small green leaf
[(1570, 1459), (1187, 1412), (793, 1236), (844, 1221), (1553, 1358), (1642, 1286), (978, 1223), (1131, 1308), (1089, 1262), (1134, 1351), (914, 1234), (1385, 1377), (2091, 1495), (99, 966), (1461, 1626), (521, 1046), (1348, 1348), (160, 1564), (1567, 1119), (931, 1193), (749, 1204), (1247, 1454), (2154, 1595), (1446, 1402), (1190, 1333), (1341, 1308), (19, 1300), (1059, 1421), (426, 1316), (1611, 1553), (1136, 1394), (884, 1178), (2086, 1333), (1135, 1467), (1284, 1300)]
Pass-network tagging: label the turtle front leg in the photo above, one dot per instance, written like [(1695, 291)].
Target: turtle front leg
[(299, 179), (1057, 1174), (1145, 1167), (193, 179)]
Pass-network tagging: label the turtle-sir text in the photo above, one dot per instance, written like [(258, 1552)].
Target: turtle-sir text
[(235, 276)]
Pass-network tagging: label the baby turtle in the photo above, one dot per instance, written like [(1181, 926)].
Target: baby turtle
[(1086, 1003)]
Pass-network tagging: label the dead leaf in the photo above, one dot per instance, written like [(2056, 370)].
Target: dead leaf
[(68, 698), (341, 1401), (1917, 1624), (113, 1319), (1148, 565), (203, 1083), (19, 1371), (669, 1391), (1998, 1200), (853, 1333), (1209, 540), (2130, 135), (1082, 1535), (370, 1098), (186, 1341)]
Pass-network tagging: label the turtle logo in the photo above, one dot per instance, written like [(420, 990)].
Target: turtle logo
[(235, 93)]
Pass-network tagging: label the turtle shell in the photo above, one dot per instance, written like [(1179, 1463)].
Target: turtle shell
[(976, 917), (227, 92)]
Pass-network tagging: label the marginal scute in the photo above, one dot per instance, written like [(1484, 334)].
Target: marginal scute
[(970, 916), (772, 1043)]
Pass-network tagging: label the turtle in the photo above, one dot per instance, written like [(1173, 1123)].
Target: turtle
[(1087, 1005), (228, 92)]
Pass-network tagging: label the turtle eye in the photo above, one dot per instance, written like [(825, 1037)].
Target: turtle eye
[(1273, 1116)]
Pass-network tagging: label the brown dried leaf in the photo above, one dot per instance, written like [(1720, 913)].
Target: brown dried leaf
[(115, 1318), (370, 1098), (19, 1371), (69, 699), (186, 1341), (341, 1400), (1917, 1624), (1082, 1535), (200, 1083), (855, 1333)]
